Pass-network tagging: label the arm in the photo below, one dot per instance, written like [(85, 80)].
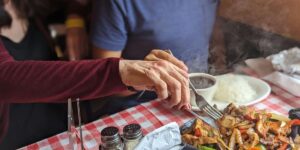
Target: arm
[(40, 81), (103, 53), (76, 35), (108, 30), (76, 38)]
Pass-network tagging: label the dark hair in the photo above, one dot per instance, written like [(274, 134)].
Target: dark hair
[(25, 9), (5, 19)]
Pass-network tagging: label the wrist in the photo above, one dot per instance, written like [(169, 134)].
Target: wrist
[(122, 65)]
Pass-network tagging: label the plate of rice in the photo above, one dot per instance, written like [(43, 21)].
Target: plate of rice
[(238, 89)]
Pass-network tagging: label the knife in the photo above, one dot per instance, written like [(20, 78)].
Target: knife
[(206, 119), (70, 123), (79, 123)]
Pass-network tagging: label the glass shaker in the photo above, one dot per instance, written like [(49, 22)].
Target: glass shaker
[(132, 135), (111, 139)]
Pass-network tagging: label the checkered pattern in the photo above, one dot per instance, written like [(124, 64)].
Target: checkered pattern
[(153, 115)]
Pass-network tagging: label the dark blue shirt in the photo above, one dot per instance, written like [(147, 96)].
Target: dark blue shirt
[(138, 26)]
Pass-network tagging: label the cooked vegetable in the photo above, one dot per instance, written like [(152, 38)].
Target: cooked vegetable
[(261, 128), (254, 148), (205, 148), (295, 122), (198, 132), (201, 134), (279, 117), (260, 147), (228, 121), (283, 147)]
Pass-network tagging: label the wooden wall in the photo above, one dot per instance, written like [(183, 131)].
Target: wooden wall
[(277, 16)]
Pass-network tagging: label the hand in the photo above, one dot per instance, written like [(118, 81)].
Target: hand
[(77, 42), (157, 54), (160, 76)]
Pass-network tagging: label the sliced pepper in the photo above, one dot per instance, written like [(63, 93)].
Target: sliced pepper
[(294, 122), (197, 132), (243, 131)]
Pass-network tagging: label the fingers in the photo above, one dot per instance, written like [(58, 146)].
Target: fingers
[(185, 96), (159, 84), (177, 84), (160, 54), (174, 87), (164, 77)]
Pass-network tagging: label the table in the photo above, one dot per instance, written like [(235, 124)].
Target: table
[(153, 115)]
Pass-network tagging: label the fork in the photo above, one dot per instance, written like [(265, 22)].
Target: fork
[(201, 102), (205, 106)]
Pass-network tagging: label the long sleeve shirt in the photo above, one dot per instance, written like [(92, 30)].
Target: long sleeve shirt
[(51, 82)]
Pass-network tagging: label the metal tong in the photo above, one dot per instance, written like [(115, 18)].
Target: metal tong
[(71, 123)]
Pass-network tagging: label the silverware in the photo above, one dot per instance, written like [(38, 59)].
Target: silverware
[(203, 105), (79, 122), (201, 102), (207, 120), (70, 123)]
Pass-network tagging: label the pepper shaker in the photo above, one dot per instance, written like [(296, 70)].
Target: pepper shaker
[(111, 139), (132, 135)]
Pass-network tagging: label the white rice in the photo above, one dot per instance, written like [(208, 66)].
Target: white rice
[(233, 88)]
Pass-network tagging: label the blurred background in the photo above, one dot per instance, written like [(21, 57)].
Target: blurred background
[(253, 28)]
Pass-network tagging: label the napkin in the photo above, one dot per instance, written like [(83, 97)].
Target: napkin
[(269, 70), (167, 137), (287, 61)]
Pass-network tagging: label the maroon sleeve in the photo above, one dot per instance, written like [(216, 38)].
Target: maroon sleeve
[(42, 81)]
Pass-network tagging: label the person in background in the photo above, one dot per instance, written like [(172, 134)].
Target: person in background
[(26, 37), (75, 15), (130, 29)]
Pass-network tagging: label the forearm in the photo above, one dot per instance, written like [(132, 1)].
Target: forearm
[(103, 53), (33, 81)]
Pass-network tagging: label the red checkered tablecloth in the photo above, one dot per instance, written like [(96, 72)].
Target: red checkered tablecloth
[(153, 115)]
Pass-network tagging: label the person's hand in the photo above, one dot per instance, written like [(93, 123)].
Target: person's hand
[(157, 54), (169, 81), (77, 41)]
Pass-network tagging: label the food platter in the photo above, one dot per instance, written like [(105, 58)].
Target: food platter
[(261, 88), (242, 128)]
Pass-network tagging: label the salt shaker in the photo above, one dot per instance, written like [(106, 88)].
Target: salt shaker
[(111, 139), (132, 135)]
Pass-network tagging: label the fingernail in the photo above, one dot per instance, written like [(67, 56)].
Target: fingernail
[(185, 107)]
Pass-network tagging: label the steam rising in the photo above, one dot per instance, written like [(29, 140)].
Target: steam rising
[(252, 37)]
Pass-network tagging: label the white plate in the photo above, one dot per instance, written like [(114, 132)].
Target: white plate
[(261, 87)]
